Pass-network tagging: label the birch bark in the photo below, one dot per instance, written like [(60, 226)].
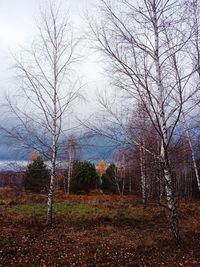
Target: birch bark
[(143, 179), (192, 151)]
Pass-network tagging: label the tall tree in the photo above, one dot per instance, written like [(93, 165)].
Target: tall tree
[(71, 151), (145, 43), (192, 9), (48, 92), (188, 134)]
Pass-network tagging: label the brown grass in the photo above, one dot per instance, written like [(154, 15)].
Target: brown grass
[(95, 231)]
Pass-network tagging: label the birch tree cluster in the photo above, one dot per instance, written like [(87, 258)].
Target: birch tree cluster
[(152, 51)]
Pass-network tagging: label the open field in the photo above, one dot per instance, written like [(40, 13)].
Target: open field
[(94, 231)]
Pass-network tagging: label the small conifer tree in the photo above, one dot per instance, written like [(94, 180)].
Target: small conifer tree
[(84, 177), (36, 178)]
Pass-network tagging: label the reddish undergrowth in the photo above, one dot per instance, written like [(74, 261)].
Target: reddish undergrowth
[(99, 240)]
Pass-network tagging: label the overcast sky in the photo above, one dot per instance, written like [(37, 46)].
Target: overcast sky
[(18, 19)]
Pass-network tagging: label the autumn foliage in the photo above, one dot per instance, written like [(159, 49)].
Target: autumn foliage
[(101, 167)]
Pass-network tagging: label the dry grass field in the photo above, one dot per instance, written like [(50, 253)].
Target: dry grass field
[(94, 231)]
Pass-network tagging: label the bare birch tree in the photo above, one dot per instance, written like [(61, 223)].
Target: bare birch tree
[(143, 178), (48, 92), (188, 134), (140, 128), (117, 177), (145, 43), (192, 8), (71, 151)]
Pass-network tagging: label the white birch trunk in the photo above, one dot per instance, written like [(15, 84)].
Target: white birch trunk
[(64, 184), (69, 179), (118, 188), (52, 183), (54, 130), (162, 188), (71, 153), (116, 174), (54, 148), (117, 184), (173, 217), (192, 151), (69, 176), (143, 179)]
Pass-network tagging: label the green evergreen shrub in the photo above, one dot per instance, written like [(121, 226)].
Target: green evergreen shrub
[(36, 179), (84, 177)]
